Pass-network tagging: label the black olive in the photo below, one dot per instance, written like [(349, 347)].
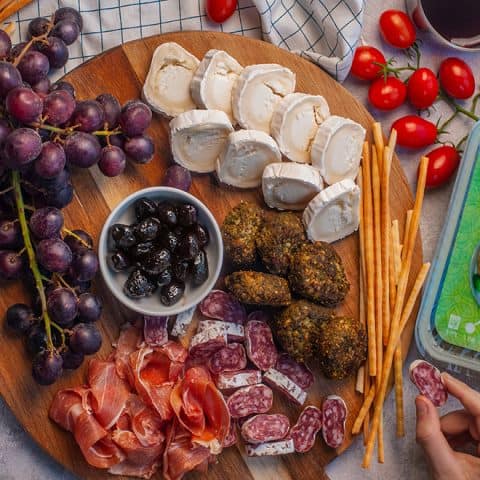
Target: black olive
[(144, 208), (180, 269), (168, 240), (147, 229), (199, 268), (141, 250), (202, 234), (138, 285), (167, 213), (187, 215), (157, 261), (188, 246), (120, 261), (171, 293), (123, 236), (165, 277)]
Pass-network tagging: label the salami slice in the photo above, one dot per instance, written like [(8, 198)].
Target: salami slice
[(155, 330), (206, 343), (334, 414), (242, 378), (259, 343), (297, 372), (281, 447), (182, 322), (259, 315), (228, 359), (282, 383), (265, 428), (304, 432), (429, 382), (250, 400), (232, 437), (223, 306), (235, 331)]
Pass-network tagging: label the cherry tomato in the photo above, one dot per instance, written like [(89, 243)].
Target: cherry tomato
[(397, 29), (422, 88), (364, 59), (442, 163), (387, 93), (219, 10), (456, 78), (414, 131)]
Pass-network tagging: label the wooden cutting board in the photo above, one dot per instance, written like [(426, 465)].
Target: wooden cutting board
[(122, 71)]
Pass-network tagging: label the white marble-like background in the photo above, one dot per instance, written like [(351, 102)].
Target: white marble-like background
[(22, 459)]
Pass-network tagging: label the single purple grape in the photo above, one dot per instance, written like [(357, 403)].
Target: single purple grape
[(139, 149), (88, 115), (19, 318), (54, 255), (51, 160), (85, 338), (46, 222), (9, 78), (117, 141), (76, 246), (47, 367), (21, 147), (33, 66), (111, 107), (135, 118), (5, 44), (58, 107), (56, 51), (66, 30), (42, 87), (179, 177), (17, 49), (38, 26), (62, 305), (72, 360), (70, 14), (11, 264), (24, 104), (59, 198), (5, 129), (82, 149), (89, 307), (84, 266), (10, 234), (112, 161), (62, 85)]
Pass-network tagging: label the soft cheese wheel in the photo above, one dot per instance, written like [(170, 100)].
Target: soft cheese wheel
[(290, 186), (256, 93), (337, 149), (167, 86), (295, 122), (333, 213), (197, 137), (212, 84), (244, 158)]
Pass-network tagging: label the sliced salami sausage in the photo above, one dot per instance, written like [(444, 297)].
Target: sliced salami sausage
[(261, 349), (281, 447), (232, 437), (182, 322), (223, 306), (242, 378), (155, 330), (250, 400), (282, 383), (429, 382), (235, 331), (297, 372), (228, 359), (206, 343), (265, 428), (334, 414), (304, 432)]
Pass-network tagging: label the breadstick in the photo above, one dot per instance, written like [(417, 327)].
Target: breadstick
[(408, 220), (380, 446), (367, 403), (360, 382), (366, 390), (392, 140), (391, 273), (396, 250), (378, 139), (398, 377)]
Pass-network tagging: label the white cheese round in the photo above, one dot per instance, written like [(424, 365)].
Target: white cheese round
[(167, 86), (290, 186), (197, 137), (295, 122), (256, 93), (333, 213), (337, 149), (212, 84), (244, 158)]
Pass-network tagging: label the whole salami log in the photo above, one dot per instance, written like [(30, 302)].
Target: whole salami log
[(297, 372), (228, 359), (281, 447), (283, 384), (429, 382), (334, 414), (155, 330), (250, 400), (304, 432), (265, 428), (235, 331), (234, 380), (232, 437), (261, 349), (223, 306), (206, 343)]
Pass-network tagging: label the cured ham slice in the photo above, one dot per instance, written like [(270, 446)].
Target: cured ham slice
[(128, 342)]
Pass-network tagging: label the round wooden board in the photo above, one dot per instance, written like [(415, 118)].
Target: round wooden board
[(122, 71)]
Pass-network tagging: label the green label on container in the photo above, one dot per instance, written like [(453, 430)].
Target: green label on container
[(457, 312)]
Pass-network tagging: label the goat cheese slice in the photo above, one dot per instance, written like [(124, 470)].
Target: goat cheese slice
[(246, 153), (333, 213), (256, 93), (212, 84), (295, 122), (337, 149), (167, 86), (290, 186), (197, 137)]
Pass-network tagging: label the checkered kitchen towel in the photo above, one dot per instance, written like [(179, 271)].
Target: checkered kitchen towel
[(323, 31)]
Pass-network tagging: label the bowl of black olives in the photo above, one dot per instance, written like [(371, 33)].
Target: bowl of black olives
[(160, 251)]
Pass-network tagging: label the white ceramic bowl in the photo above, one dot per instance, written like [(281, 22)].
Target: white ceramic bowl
[(124, 213)]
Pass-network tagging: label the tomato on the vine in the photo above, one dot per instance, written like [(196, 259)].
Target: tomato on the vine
[(442, 163), (422, 88), (219, 10), (456, 78), (365, 59), (387, 93), (397, 29), (414, 131)]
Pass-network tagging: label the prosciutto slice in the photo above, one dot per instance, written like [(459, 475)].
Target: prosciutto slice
[(128, 342)]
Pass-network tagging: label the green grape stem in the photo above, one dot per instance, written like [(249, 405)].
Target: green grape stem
[(31, 256)]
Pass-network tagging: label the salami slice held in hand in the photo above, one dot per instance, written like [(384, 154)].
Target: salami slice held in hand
[(221, 305), (265, 428), (429, 382), (261, 349), (228, 359), (334, 414), (304, 432), (250, 400)]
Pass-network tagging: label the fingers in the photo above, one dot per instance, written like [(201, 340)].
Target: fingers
[(470, 466), (468, 397), (454, 423)]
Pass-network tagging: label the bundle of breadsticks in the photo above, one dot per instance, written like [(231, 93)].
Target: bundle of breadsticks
[(385, 303)]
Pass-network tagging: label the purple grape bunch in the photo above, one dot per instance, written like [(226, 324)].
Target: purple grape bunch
[(45, 133)]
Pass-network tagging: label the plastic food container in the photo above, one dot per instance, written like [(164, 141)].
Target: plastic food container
[(448, 325)]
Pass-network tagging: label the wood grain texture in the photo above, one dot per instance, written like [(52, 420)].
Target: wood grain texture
[(121, 71)]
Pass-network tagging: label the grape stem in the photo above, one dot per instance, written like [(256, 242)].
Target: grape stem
[(76, 237), (31, 256), (3, 192)]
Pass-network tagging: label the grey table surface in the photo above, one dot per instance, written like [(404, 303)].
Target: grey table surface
[(21, 458)]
